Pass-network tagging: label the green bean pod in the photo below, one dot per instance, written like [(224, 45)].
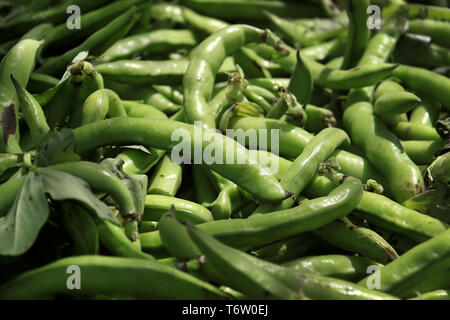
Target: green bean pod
[(420, 151), (105, 275), (439, 170), (392, 100), (425, 82), (298, 34), (100, 178), (426, 113), (249, 175), (415, 265), (434, 295), (114, 239), (305, 285), (252, 281), (351, 268), (264, 229), (415, 131), (302, 170), (56, 14), (18, 62), (318, 118), (144, 72), (292, 141), (171, 93), (157, 205), (358, 33), (203, 24), (32, 112), (286, 249), (205, 193), (146, 95), (390, 215), (41, 82), (384, 151), (345, 235), (205, 62), (437, 30), (97, 106), (96, 44), (239, 10), (61, 36), (71, 93), (166, 179), (81, 227)]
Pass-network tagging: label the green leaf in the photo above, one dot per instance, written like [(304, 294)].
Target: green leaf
[(136, 183), (20, 227), (64, 186), (45, 97), (57, 147)]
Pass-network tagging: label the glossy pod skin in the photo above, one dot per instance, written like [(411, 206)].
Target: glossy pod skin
[(345, 235), (425, 82), (114, 239), (264, 229), (58, 14), (437, 30), (358, 77), (421, 151), (384, 151), (32, 112), (157, 205), (81, 228), (415, 265), (146, 95), (95, 44), (106, 275), (299, 34), (157, 41), (121, 131), (304, 285), (239, 10), (439, 170), (286, 249), (19, 62), (415, 131), (166, 178), (203, 24), (392, 101), (434, 295), (97, 106), (302, 170), (254, 282), (61, 35), (82, 80), (144, 72), (351, 268), (292, 141), (358, 34), (385, 213), (205, 62), (426, 113)]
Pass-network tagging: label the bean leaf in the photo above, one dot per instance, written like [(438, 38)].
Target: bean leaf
[(136, 183), (20, 227), (57, 147), (64, 186)]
